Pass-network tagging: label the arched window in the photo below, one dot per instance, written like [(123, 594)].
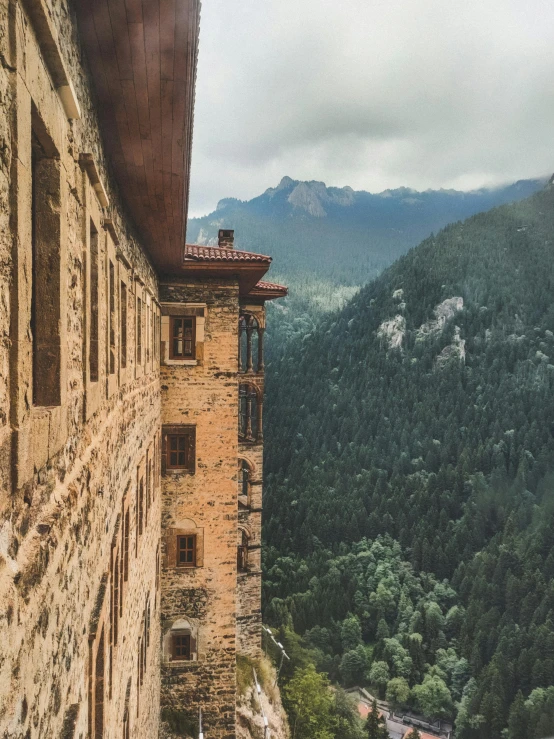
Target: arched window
[(242, 551), (250, 414), (251, 355), (180, 643), (244, 482)]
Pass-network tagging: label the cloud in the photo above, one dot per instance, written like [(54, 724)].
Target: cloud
[(372, 94)]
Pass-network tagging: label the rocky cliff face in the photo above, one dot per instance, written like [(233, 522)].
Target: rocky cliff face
[(250, 723)]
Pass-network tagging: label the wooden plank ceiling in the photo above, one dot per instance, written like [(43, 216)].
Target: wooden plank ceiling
[(142, 55)]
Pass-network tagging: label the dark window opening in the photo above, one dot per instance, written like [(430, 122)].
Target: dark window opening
[(251, 358), (244, 480), (242, 552), (140, 511), (99, 690), (93, 349), (182, 337), (186, 551), (123, 327), (126, 538), (139, 331), (111, 278), (45, 318), (250, 414)]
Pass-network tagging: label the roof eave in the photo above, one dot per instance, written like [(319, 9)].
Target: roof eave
[(247, 274)]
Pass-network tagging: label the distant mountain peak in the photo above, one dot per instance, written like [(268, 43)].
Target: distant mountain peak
[(225, 202), (308, 198), (286, 183), (311, 196)]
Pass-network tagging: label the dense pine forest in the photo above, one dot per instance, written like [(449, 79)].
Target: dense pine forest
[(409, 505)]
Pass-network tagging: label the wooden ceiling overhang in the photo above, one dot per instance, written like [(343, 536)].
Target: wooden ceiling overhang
[(142, 56)]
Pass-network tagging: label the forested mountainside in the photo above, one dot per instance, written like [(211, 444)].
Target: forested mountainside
[(340, 235), (409, 505)]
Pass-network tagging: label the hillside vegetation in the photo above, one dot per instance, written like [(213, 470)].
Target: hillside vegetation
[(409, 510)]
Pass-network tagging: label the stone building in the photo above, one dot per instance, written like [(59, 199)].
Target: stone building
[(131, 385)]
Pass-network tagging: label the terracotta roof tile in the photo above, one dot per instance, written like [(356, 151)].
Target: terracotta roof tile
[(263, 285), (422, 734), (198, 253)]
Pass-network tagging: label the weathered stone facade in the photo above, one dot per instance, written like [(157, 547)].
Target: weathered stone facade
[(220, 598), (69, 465), (91, 594)]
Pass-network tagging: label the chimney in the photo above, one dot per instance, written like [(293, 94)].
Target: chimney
[(226, 238)]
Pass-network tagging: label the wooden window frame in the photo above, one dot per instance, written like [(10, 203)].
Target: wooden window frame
[(174, 647), (193, 549), (187, 432), (182, 356), (171, 555)]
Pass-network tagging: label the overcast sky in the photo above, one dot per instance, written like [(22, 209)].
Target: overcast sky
[(372, 94)]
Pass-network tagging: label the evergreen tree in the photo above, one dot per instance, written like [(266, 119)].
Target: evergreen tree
[(375, 724)]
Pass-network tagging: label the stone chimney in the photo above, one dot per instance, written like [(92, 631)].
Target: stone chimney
[(226, 238)]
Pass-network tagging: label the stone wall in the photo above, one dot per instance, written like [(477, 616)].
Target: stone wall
[(90, 591), (70, 471), (204, 395), (249, 585)]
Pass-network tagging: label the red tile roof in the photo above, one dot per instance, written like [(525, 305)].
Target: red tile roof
[(364, 710), (263, 285), (198, 253), (422, 734)]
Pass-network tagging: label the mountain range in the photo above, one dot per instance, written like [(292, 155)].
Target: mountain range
[(340, 234)]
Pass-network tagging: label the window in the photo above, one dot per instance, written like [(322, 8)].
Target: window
[(99, 690), (140, 509), (177, 451), (250, 414), (186, 551), (182, 337), (184, 547), (45, 318), (93, 349), (139, 331), (123, 327), (147, 505), (179, 444), (242, 552), (115, 596), (126, 547), (111, 287), (181, 646), (251, 355), (244, 477)]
